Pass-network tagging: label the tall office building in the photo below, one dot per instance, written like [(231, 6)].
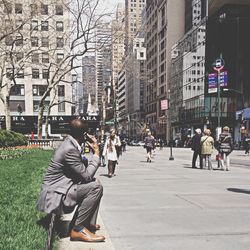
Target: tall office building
[(227, 37), (135, 81), (187, 79), (103, 60), (133, 14), (89, 81), (118, 38), (35, 42), (162, 19)]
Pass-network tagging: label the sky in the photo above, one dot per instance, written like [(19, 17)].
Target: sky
[(110, 5)]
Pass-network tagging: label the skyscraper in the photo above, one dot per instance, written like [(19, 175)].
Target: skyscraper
[(31, 53), (133, 12)]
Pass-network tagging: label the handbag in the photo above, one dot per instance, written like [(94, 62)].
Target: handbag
[(218, 157)]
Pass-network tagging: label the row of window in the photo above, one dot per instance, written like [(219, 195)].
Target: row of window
[(37, 90), (34, 9), (18, 40), (35, 73), (44, 26), (15, 105)]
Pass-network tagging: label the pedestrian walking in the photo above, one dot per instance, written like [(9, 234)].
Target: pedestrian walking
[(101, 147), (246, 144), (196, 147), (149, 145), (110, 151), (207, 145), (225, 147)]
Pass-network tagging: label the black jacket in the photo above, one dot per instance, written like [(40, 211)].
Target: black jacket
[(196, 142)]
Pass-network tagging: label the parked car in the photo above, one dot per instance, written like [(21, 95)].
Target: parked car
[(141, 143)]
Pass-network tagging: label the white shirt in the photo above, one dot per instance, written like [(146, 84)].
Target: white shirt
[(111, 154)]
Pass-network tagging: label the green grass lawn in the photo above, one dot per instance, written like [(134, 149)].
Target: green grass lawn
[(20, 182)]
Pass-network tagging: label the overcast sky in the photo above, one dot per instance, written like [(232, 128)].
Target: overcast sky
[(110, 5)]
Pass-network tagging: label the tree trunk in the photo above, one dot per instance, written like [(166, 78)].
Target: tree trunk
[(47, 124), (40, 123), (7, 113)]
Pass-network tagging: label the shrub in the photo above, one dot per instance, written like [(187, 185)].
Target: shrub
[(12, 139)]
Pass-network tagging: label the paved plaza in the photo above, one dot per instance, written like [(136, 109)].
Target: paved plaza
[(168, 205)]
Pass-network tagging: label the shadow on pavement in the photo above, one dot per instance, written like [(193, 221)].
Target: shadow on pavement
[(106, 175), (239, 190)]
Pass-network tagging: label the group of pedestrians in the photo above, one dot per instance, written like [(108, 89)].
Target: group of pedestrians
[(203, 145)]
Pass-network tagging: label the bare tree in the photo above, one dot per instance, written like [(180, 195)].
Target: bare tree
[(81, 18)]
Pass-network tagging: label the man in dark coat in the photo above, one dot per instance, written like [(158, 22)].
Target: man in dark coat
[(70, 181), (196, 147)]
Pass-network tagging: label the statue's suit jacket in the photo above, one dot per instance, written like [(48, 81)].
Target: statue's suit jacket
[(65, 171)]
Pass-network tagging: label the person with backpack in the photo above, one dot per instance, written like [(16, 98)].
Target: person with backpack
[(196, 147), (225, 147)]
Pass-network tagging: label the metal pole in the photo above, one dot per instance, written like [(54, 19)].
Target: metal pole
[(218, 97), (170, 132), (171, 158)]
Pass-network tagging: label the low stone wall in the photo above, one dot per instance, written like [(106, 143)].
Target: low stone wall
[(45, 143)]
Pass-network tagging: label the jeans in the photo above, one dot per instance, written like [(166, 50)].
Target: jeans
[(225, 159)]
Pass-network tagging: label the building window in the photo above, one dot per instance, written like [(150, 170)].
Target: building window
[(39, 90), (17, 106), (141, 54), (9, 73), (35, 58), (34, 41), (34, 25), (59, 42), (61, 90), (35, 73), (19, 24), (59, 26), (33, 9), (44, 9), (59, 10), (20, 73), (59, 58), (9, 40), (7, 7), (45, 42), (44, 25), (45, 57), (18, 8), (19, 41), (45, 74), (17, 89), (36, 106), (61, 107), (19, 56)]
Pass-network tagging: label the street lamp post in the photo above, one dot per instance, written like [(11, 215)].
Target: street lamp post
[(169, 132), (218, 65)]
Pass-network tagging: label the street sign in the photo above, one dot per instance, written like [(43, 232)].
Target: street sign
[(219, 64), (213, 80)]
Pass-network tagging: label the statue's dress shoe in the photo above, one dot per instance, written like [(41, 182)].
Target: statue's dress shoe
[(85, 235), (94, 227)]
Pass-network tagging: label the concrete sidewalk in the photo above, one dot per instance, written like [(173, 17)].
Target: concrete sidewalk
[(168, 205)]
